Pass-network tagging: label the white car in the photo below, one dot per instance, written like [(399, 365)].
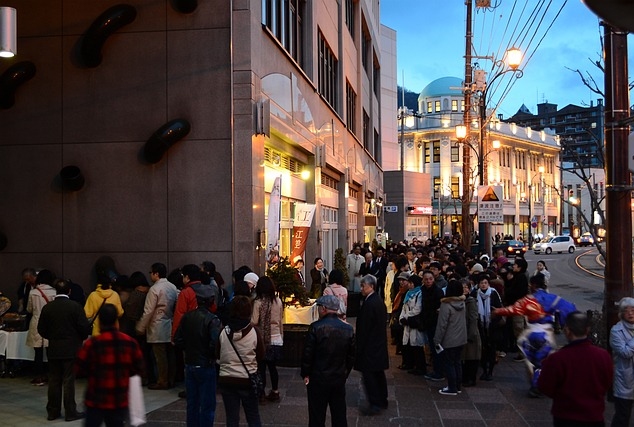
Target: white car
[(557, 244)]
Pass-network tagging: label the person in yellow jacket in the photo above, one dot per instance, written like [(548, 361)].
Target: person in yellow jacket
[(103, 294)]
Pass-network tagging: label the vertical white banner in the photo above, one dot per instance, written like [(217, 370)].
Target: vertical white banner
[(273, 221)]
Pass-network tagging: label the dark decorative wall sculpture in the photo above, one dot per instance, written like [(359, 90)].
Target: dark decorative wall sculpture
[(13, 78), (103, 27), (72, 178), (184, 6), (166, 136)]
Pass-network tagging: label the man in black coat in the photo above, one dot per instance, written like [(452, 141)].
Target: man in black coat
[(326, 363), (371, 357), (63, 323)]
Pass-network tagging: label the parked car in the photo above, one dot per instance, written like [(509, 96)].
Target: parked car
[(511, 247), (585, 239), (557, 244)]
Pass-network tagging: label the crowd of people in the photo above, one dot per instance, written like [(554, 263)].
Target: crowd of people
[(451, 314)]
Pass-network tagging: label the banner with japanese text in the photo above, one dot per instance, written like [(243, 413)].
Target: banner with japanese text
[(304, 213)]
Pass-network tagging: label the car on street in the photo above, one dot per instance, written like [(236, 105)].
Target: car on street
[(511, 247), (557, 244), (585, 239)]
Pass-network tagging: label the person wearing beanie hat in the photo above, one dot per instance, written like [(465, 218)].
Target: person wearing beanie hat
[(251, 279)]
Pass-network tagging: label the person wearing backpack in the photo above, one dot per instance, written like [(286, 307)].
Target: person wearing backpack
[(537, 341)]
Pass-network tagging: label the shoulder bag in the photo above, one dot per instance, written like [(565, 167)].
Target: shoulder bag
[(256, 381)]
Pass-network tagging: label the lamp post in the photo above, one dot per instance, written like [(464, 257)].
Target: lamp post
[(402, 115)]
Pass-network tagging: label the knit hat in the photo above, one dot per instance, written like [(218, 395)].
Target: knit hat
[(404, 275), (251, 278)]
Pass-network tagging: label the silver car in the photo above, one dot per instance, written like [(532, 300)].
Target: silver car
[(557, 244)]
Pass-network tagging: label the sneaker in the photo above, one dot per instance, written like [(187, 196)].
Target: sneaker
[(39, 381), (273, 396), (502, 354), (446, 392), (434, 377)]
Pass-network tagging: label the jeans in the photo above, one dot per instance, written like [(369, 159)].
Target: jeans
[(61, 382), (232, 398), (200, 384), (453, 367), (95, 417)]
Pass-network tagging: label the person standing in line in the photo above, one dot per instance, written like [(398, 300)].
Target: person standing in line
[(64, 324), (268, 313), (42, 294), (353, 264), (197, 335), (156, 322), (432, 295), (108, 360), (319, 278), (577, 377), (490, 328), (240, 349), (29, 275), (103, 294), (622, 344), (369, 266), (327, 360), (451, 335), (335, 287), (371, 353), (382, 263), (472, 350), (413, 335)]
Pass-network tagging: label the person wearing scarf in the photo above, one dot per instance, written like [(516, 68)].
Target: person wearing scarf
[(622, 345), (490, 329), (413, 335), (268, 312)]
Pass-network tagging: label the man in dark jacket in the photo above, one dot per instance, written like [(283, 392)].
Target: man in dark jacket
[(197, 336), (63, 322), (326, 363), (371, 355)]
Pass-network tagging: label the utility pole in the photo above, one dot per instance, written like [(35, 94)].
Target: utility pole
[(618, 268), (467, 224)]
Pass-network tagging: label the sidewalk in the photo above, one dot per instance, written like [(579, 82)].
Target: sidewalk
[(413, 401)]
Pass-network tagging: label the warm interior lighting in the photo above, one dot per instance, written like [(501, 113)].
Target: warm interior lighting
[(514, 58), (8, 32), (461, 132), (541, 169), (496, 144)]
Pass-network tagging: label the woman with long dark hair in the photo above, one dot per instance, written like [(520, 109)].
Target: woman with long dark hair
[(490, 328), (319, 278), (267, 315)]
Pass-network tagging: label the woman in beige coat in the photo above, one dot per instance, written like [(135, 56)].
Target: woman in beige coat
[(267, 315), (39, 296)]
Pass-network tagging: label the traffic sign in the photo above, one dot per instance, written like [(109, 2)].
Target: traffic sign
[(391, 209), (490, 204), (534, 224)]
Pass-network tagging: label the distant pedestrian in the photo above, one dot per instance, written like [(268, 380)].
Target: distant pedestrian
[(108, 361), (577, 377), (371, 355), (472, 350), (622, 344), (414, 339), (197, 335), (327, 360), (42, 294), (335, 287), (64, 324), (490, 328)]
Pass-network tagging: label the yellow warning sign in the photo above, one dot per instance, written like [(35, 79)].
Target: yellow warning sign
[(490, 195)]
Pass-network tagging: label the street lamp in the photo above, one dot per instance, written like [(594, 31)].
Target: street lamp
[(540, 172), (405, 115)]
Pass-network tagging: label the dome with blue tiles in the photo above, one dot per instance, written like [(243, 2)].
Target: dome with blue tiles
[(444, 86)]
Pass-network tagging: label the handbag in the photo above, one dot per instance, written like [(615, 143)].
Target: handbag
[(256, 381)]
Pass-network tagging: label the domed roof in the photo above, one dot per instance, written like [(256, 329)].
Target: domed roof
[(444, 86)]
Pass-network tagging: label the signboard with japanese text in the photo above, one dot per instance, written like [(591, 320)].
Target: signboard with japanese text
[(490, 204)]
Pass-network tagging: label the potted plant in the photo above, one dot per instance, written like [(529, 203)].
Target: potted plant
[(287, 282)]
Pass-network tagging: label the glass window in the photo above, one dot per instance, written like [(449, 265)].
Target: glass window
[(284, 18), (327, 73), (429, 109), (437, 106), (455, 152), (436, 151), (427, 152), (350, 17), (436, 187), (454, 105), (351, 108), (455, 187)]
